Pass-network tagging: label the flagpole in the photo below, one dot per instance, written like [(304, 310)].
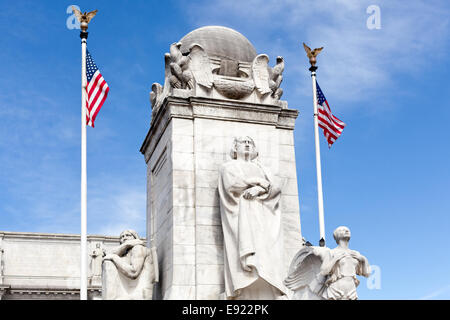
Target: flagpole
[(84, 19), (83, 258), (318, 165)]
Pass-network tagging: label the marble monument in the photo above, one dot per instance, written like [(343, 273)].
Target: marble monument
[(216, 88)]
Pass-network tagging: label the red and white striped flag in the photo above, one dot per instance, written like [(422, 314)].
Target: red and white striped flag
[(97, 90), (331, 125)]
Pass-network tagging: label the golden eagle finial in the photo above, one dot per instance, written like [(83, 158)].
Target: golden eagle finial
[(84, 18), (312, 54)]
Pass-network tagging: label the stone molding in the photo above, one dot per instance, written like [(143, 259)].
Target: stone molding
[(6, 235), (32, 293), (206, 108)]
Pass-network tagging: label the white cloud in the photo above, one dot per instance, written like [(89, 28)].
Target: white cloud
[(116, 204), (436, 294)]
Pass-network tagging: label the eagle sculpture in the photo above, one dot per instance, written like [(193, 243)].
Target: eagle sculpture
[(267, 79), (312, 54), (84, 18), (181, 76)]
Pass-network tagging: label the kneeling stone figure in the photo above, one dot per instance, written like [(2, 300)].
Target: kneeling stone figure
[(130, 270), (322, 273)]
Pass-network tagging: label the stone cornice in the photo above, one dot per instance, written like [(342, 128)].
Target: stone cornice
[(6, 235), (47, 291), (218, 109)]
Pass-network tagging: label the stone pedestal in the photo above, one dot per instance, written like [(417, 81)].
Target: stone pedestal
[(190, 137)]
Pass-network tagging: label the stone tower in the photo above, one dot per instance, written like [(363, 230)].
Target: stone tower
[(216, 88)]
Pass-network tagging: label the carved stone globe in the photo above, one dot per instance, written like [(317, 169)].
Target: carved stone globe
[(220, 42)]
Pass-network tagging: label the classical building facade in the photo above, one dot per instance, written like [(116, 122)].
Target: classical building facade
[(46, 266)]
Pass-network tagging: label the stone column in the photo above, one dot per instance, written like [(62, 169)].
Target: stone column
[(190, 137)]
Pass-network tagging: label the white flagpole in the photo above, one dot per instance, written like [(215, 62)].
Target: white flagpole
[(83, 258), (84, 19), (318, 166)]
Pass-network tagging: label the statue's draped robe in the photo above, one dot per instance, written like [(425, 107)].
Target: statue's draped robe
[(344, 267), (252, 231)]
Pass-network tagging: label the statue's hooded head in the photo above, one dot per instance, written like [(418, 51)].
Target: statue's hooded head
[(341, 233), (243, 146), (128, 235)]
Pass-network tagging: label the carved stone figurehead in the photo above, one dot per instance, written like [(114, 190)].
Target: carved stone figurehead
[(127, 235), (244, 148), (341, 233)]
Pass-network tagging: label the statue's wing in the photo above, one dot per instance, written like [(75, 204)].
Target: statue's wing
[(156, 95), (90, 15), (200, 66), (305, 271), (261, 75), (167, 73), (152, 98), (77, 13), (317, 51), (307, 49)]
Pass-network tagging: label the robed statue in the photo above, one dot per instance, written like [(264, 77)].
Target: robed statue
[(251, 223), (130, 270), (323, 273)]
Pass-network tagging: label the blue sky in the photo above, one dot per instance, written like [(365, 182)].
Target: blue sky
[(387, 177)]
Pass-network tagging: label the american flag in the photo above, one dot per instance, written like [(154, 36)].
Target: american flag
[(97, 90), (331, 125)]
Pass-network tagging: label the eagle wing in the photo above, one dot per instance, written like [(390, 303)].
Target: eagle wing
[(317, 51), (156, 95), (260, 71), (90, 15), (77, 13), (307, 49), (167, 74), (200, 66), (304, 270)]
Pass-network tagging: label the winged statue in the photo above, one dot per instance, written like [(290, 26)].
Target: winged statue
[(312, 54), (304, 277), (323, 273), (267, 79), (84, 18)]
